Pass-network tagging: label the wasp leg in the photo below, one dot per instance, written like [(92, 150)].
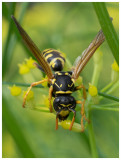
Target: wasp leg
[(56, 127), (74, 112), (57, 115), (82, 113), (33, 84), (84, 90), (50, 97), (38, 66)]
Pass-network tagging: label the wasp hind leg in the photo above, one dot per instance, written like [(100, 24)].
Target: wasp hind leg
[(50, 97), (83, 114), (32, 85), (72, 122)]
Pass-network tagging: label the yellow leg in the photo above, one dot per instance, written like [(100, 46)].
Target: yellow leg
[(82, 113), (84, 90), (72, 122), (33, 84), (50, 97)]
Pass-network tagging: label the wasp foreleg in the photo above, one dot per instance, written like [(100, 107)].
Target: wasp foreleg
[(32, 85)]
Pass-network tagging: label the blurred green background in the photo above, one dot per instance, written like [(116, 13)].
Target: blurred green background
[(69, 27)]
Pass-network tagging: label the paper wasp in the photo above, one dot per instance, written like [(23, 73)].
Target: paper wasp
[(61, 84)]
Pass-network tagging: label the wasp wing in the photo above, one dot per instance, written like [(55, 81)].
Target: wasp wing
[(81, 61), (34, 49)]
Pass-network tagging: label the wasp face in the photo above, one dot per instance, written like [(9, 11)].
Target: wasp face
[(63, 105)]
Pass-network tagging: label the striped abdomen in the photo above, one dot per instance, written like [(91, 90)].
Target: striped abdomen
[(55, 59)]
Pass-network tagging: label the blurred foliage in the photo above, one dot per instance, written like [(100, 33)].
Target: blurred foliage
[(69, 27)]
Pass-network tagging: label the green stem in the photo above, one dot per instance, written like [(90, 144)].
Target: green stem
[(40, 109), (109, 105), (21, 84), (104, 108), (112, 89), (107, 87), (108, 96), (107, 28), (92, 137), (96, 72)]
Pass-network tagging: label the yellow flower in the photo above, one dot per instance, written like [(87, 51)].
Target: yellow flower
[(115, 66), (15, 91), (30, 62), (30, 95), (23, 68), (65, 124), (92, 90)]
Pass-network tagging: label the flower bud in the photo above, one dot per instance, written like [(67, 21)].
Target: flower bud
[(15, 91), (23, 68), (66, 125), (29, 62), (92, 90), (94, 93)]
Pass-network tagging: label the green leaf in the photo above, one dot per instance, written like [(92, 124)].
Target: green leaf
[(107, 28), (6, 55), (16, 131), (11, 39)]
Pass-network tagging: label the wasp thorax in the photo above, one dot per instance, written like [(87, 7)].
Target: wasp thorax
[(63, 83)]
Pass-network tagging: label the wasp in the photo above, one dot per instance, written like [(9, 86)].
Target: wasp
[(61, 84)]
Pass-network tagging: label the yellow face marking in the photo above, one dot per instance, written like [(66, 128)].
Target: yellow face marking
[(62, 92), (61, 85), (64, 113), (48, 56), (65, 105)]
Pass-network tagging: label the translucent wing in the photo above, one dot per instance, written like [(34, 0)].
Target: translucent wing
[(34, 49), (82, 60)]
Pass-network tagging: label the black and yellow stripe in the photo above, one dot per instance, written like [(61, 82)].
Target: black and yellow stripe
[(54, 58)]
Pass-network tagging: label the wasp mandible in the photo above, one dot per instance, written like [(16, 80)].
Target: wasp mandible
[(61, 84)]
